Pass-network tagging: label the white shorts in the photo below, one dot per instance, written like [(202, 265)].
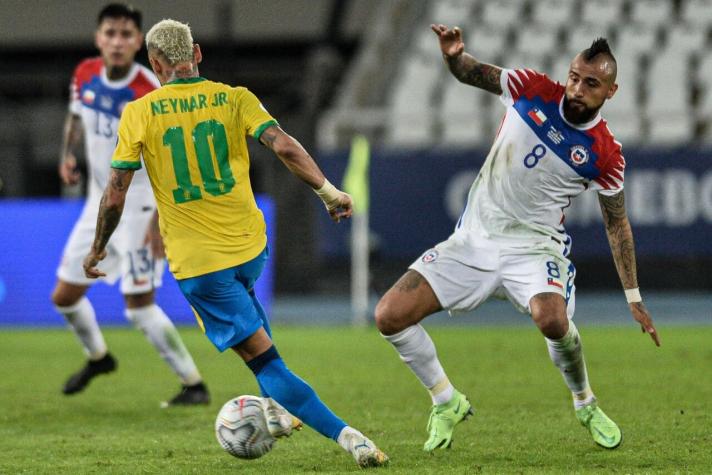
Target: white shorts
[(126, 255), (465, 271)]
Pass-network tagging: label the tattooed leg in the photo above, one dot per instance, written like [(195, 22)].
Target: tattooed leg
[(409, 281), (397, 315), (409, 301)]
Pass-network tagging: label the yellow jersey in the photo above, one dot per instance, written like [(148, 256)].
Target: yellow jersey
[(192, 136)]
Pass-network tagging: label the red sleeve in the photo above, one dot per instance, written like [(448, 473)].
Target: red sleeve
[(526, 82), (144, 83), (83, 73), (610, 181)]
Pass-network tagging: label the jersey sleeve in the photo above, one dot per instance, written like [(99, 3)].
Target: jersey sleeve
[(75, 106), (610, 181), (132, 130), (83, 73), (254, 116), (517, 82)]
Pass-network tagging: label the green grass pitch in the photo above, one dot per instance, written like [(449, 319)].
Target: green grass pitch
[(661, 398)]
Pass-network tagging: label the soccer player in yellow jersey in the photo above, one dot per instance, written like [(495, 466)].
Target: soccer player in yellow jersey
[(191, 134)]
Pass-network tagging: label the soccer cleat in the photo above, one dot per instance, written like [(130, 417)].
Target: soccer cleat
[(443, 419), (605, 432), (79, 380), (363, 449), (279, 421), (189, 396)]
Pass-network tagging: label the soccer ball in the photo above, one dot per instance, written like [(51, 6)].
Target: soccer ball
[(241, 428)]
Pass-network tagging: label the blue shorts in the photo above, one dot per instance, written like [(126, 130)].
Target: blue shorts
[(225, 304)]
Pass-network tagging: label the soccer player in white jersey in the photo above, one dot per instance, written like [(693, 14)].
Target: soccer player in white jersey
[(510, 241), (100, 89)]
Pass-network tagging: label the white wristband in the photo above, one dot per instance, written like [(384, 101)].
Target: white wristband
[(329, 194), (633, 295)]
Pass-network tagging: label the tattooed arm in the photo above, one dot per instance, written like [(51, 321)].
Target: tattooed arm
[(620, 238), (293, 155), (303, 166), (464, 66), (71, 141), (110, 209)]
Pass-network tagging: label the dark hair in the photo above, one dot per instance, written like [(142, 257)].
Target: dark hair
[(599, 46), (120, 10)]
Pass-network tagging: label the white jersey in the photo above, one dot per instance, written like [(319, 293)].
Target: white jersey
[(99, 102), (537, 164)]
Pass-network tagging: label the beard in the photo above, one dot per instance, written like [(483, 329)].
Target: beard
[(577, 112)]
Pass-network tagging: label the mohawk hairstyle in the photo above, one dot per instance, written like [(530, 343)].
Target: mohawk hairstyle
[(599, 46), (120, 10)]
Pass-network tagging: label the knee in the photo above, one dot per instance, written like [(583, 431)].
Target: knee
[(387, 317), (548, 311), (552, 325), (62, 299), (138, 300), (146, 316)]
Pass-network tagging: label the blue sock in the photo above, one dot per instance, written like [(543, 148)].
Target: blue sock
[(263, 391), (294, 394)]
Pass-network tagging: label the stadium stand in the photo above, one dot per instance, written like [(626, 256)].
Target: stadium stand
[(395, 88), (697, 12), (502, 14), (669, 113), (553, 13), (601, 13), (651, 12), (661, 47)]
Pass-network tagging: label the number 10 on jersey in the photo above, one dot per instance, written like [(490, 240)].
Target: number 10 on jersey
[(174, 138)]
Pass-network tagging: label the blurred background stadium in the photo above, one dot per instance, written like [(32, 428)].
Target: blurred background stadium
[(328, 69)]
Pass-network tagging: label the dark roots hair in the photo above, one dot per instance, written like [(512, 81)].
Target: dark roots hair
[(599, 46)]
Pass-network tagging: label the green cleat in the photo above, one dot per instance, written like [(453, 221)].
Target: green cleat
[(605, 432), (444, 418)]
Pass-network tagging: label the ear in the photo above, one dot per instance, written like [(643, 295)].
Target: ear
[(155, 65), (96, 38), (197, 54), (612, 91)]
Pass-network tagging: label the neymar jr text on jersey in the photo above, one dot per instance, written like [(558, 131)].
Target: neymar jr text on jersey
[(187, 104)]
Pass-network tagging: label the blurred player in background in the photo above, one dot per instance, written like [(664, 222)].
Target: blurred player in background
[(510, 241), (100, 89), (192, 136)]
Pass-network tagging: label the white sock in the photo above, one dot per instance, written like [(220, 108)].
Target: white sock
[(567, 355), (417, 350), (82, 320), (162, 334)]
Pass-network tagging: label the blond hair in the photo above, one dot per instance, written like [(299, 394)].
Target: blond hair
[(173, 40)]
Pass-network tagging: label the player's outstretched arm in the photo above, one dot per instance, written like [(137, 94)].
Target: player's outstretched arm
[(303, 166), (620, 237), (110, 209), (71, 141), (464, 66)]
